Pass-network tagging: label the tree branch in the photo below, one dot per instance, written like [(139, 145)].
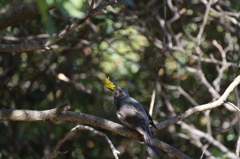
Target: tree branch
[(194, 132), (26, 10), (50, 115), (56, 151), (200, 108), (32, 115), (68, 29)]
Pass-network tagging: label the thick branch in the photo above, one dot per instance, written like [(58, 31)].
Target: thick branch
[(50, 115), (32, 115), (18, 7)]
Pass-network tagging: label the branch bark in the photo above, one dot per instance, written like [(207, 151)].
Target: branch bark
[(17, 7), (52, 115)]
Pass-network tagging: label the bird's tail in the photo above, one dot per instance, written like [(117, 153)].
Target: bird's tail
[(151, 148)]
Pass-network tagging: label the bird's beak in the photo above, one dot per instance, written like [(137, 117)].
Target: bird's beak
[(111, 90), (118, 88)]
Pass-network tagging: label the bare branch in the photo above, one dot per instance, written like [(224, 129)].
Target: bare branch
[(234, 106), (208, 6), (40, 36), (152, 101), (92, 5), (217, 81), (171, 150), (56, 151), (100, 12), (181, 91), (30, 115), (209, 138), (238, 115), (204, 81), (200, 108)]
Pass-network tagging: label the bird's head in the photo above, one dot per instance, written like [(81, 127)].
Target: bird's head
[(121, 93)]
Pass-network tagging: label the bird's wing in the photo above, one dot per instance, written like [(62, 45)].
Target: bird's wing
[(150, 119), (133, 115), (137, 104)]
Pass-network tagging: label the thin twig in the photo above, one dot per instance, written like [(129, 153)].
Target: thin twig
[(182, 92), (234, 106), (202, 154), (152, 101), (208, 137), (56, 151), (223, 67), (238, 115), (208, 6)]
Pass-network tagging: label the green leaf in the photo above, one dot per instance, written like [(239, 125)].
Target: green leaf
[(77, 9)]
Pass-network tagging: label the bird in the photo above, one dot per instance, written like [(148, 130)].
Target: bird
[(130, 112)]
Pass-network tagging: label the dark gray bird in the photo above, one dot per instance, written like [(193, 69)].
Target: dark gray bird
[(133, 114)]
